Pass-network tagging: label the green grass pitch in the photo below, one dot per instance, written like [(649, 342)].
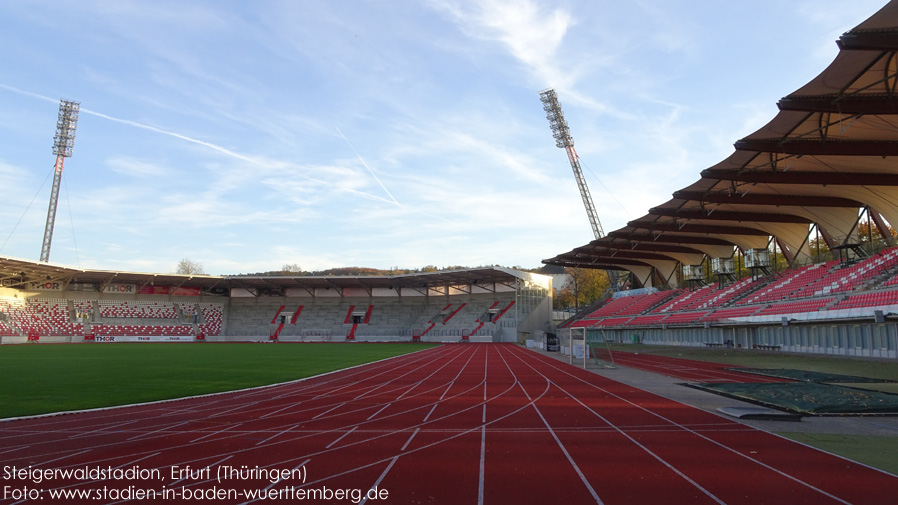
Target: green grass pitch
[(39, 379)]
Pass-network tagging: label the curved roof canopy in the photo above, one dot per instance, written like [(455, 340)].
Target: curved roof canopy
[(25, 274), (828, 156)]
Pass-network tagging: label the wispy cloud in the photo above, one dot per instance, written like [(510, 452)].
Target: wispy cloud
[(529, 33), (127, 165), (534, 36)]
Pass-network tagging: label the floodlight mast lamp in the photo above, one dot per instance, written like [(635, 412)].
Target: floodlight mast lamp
[(563, 139), (63, 142)]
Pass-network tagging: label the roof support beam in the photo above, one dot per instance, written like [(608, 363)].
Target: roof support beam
[(790, 256), (736, 198), (614, 254), (685, 227), (840, 104), (728, 215), (637, 246), (803, 177), (884, 230), (820, 147), (583, 261), (667, 238), (827, 238), (880, 40)]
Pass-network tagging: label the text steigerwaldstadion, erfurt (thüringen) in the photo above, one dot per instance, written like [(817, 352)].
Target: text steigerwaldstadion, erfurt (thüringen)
[(177, 482)]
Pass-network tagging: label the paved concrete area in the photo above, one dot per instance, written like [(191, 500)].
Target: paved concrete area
[(673, 389)]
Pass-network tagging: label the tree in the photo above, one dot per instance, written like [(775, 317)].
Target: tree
[(863, 235), (291, 269), (819, 249), (584, 286), (866, 232), (189, 267)]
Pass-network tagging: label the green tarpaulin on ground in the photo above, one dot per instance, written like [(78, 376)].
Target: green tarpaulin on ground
[(808, 397), (806, 376)]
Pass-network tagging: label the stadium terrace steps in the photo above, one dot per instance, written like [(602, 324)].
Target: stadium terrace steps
[(613, 321), (689, 300), (649, 320), (721, 314), (454, 313), (788, 284), (686, 317), (296, 314), (728, 294), (643, 303), (332, 319)]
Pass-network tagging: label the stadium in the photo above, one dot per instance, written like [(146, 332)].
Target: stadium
[(746, 355)]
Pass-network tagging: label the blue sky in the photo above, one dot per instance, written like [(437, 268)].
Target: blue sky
[(250, 135)]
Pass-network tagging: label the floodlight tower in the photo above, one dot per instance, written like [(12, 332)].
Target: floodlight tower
[(63, 142), (563, 139)]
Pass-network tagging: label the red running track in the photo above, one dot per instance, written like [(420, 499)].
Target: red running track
[(687, 369), (458, 424)]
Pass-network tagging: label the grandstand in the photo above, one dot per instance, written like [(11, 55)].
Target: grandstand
[(828, 307), (52, 303), (798, 310)]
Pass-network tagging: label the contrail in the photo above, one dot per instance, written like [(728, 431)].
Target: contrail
[(225, 151), (369, 168), (140, 125), (28, 93), (177, 136)]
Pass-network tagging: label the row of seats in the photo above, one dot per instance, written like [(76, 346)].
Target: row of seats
[(799, 306), (642, 303), (121, 330), (794, 291), (24, 316), (212, 315), (140, 309), (722, 314), (881, 298), (706, 297), (787, 284), (873, 299), (727, 294), (54, 317), (7, 331), (842, 280)]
